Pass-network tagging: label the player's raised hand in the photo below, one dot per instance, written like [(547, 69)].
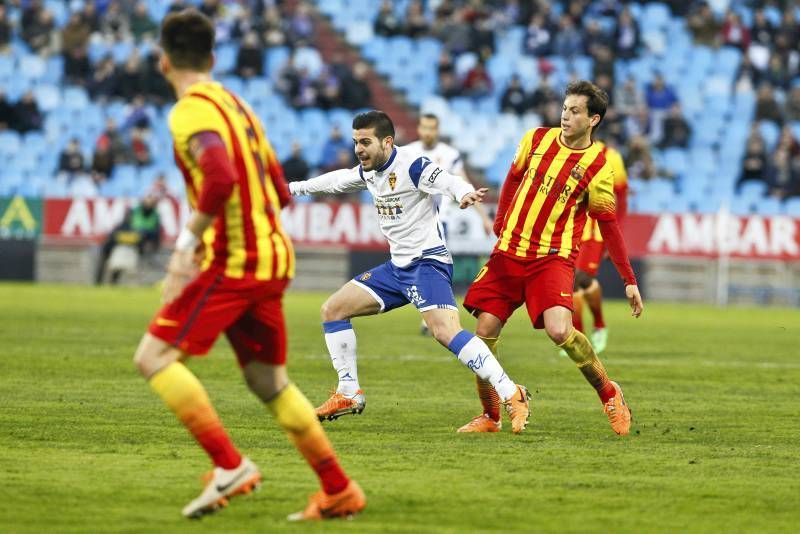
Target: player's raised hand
[(471, 198), (635, 300)]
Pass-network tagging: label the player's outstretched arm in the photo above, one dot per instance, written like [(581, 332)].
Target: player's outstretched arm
[(609, 228), (473, 198), (339, 181)]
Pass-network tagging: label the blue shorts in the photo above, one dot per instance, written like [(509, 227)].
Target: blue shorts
[(427, 284)]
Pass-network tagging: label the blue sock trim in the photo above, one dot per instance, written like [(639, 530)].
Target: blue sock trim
[(458, 342), (336, 326)]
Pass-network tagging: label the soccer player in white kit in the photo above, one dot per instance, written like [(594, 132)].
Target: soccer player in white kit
[(403, 185), (448, 158)]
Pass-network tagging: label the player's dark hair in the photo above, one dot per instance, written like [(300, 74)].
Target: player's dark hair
[(187, 37), (430, 116), (596, 98), (378, 120)]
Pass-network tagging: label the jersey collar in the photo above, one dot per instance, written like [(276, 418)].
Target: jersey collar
[(388, 161)]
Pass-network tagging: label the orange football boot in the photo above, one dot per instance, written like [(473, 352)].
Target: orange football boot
[(346, 503), (338, 405), (482, 423), (619, 415), (519, 409)]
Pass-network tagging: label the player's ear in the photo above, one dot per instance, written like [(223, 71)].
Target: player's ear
[(164, 65), (388, 142), (594, 120)]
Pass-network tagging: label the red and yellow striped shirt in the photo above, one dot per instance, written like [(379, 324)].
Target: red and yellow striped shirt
[(555, 187), (591, 232), (246, 239)]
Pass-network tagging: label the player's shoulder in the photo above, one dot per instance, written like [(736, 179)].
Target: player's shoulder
[(191, 108)]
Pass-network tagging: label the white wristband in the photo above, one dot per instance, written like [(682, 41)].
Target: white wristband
[(186, 240)]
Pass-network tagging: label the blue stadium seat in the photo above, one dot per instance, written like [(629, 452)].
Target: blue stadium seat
[(770, 131), (753, 189), (75, 98), (791, 207), (768, 206), (225, 58), (656, 14)]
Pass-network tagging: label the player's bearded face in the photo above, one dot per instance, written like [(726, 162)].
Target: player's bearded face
[(371, 151)]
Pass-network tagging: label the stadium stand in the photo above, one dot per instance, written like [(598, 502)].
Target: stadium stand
[(724, 72)]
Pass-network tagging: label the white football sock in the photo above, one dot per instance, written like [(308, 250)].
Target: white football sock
[(341, 341), (473, 352)]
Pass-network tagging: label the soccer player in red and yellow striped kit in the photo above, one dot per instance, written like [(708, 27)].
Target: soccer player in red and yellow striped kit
[(558, 177), (592, 249), (236, 189)]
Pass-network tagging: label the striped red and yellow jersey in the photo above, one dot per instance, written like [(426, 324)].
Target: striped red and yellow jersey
[(246, 239), (558, 188), (591, 232)]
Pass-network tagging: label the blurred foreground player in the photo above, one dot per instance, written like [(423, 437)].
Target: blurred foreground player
[(559, 175), (236, 189)]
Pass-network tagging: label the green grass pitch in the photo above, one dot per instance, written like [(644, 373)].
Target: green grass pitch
[(85, 446)]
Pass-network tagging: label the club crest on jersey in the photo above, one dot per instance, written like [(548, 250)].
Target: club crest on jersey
[(577, 172), (392, 180), (365, 277)]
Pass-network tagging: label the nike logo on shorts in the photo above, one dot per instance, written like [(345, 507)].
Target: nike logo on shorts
[(160, 321), (565, 294)]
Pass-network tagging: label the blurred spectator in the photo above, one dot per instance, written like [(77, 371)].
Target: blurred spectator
[(514, 99), (355, 90), (538, 37), (783, 171), (543, 95), (777, 73), (71, 161), (416, 23), (250, 58), (77, 67), (454, 32), (273, 31), (747, 76), (114, 23), (448, 85), (767, 108), (129, 82), (140, 228), (40, 33), (142, 26), (7, 114), (734, 32), (110, 150), (6, 30), (626, 35), (301, 25), (330, 150), (295, 167), (640, 160), (445, 63), (27, 116), (627, 97), (704, 27), (603, 62), (477, 82), (104, 80), (177, 5), (136, 115), (793, 104), (482, 32), (660, 98), (210, 8), (139, 149), (91, 17), (159, 188), (762, 29), (75, 33), (594, 37), (569, 41), (676, 129), (754, 164), (154, 85), (387, 23)]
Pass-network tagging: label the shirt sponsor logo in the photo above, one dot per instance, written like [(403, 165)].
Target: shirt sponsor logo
[(434, 175)]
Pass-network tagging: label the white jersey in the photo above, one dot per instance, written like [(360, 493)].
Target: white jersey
[(403, 191), (449, 159)]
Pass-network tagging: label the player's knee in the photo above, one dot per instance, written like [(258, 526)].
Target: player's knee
[(558, 332), (582, 280), (331, 311)]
